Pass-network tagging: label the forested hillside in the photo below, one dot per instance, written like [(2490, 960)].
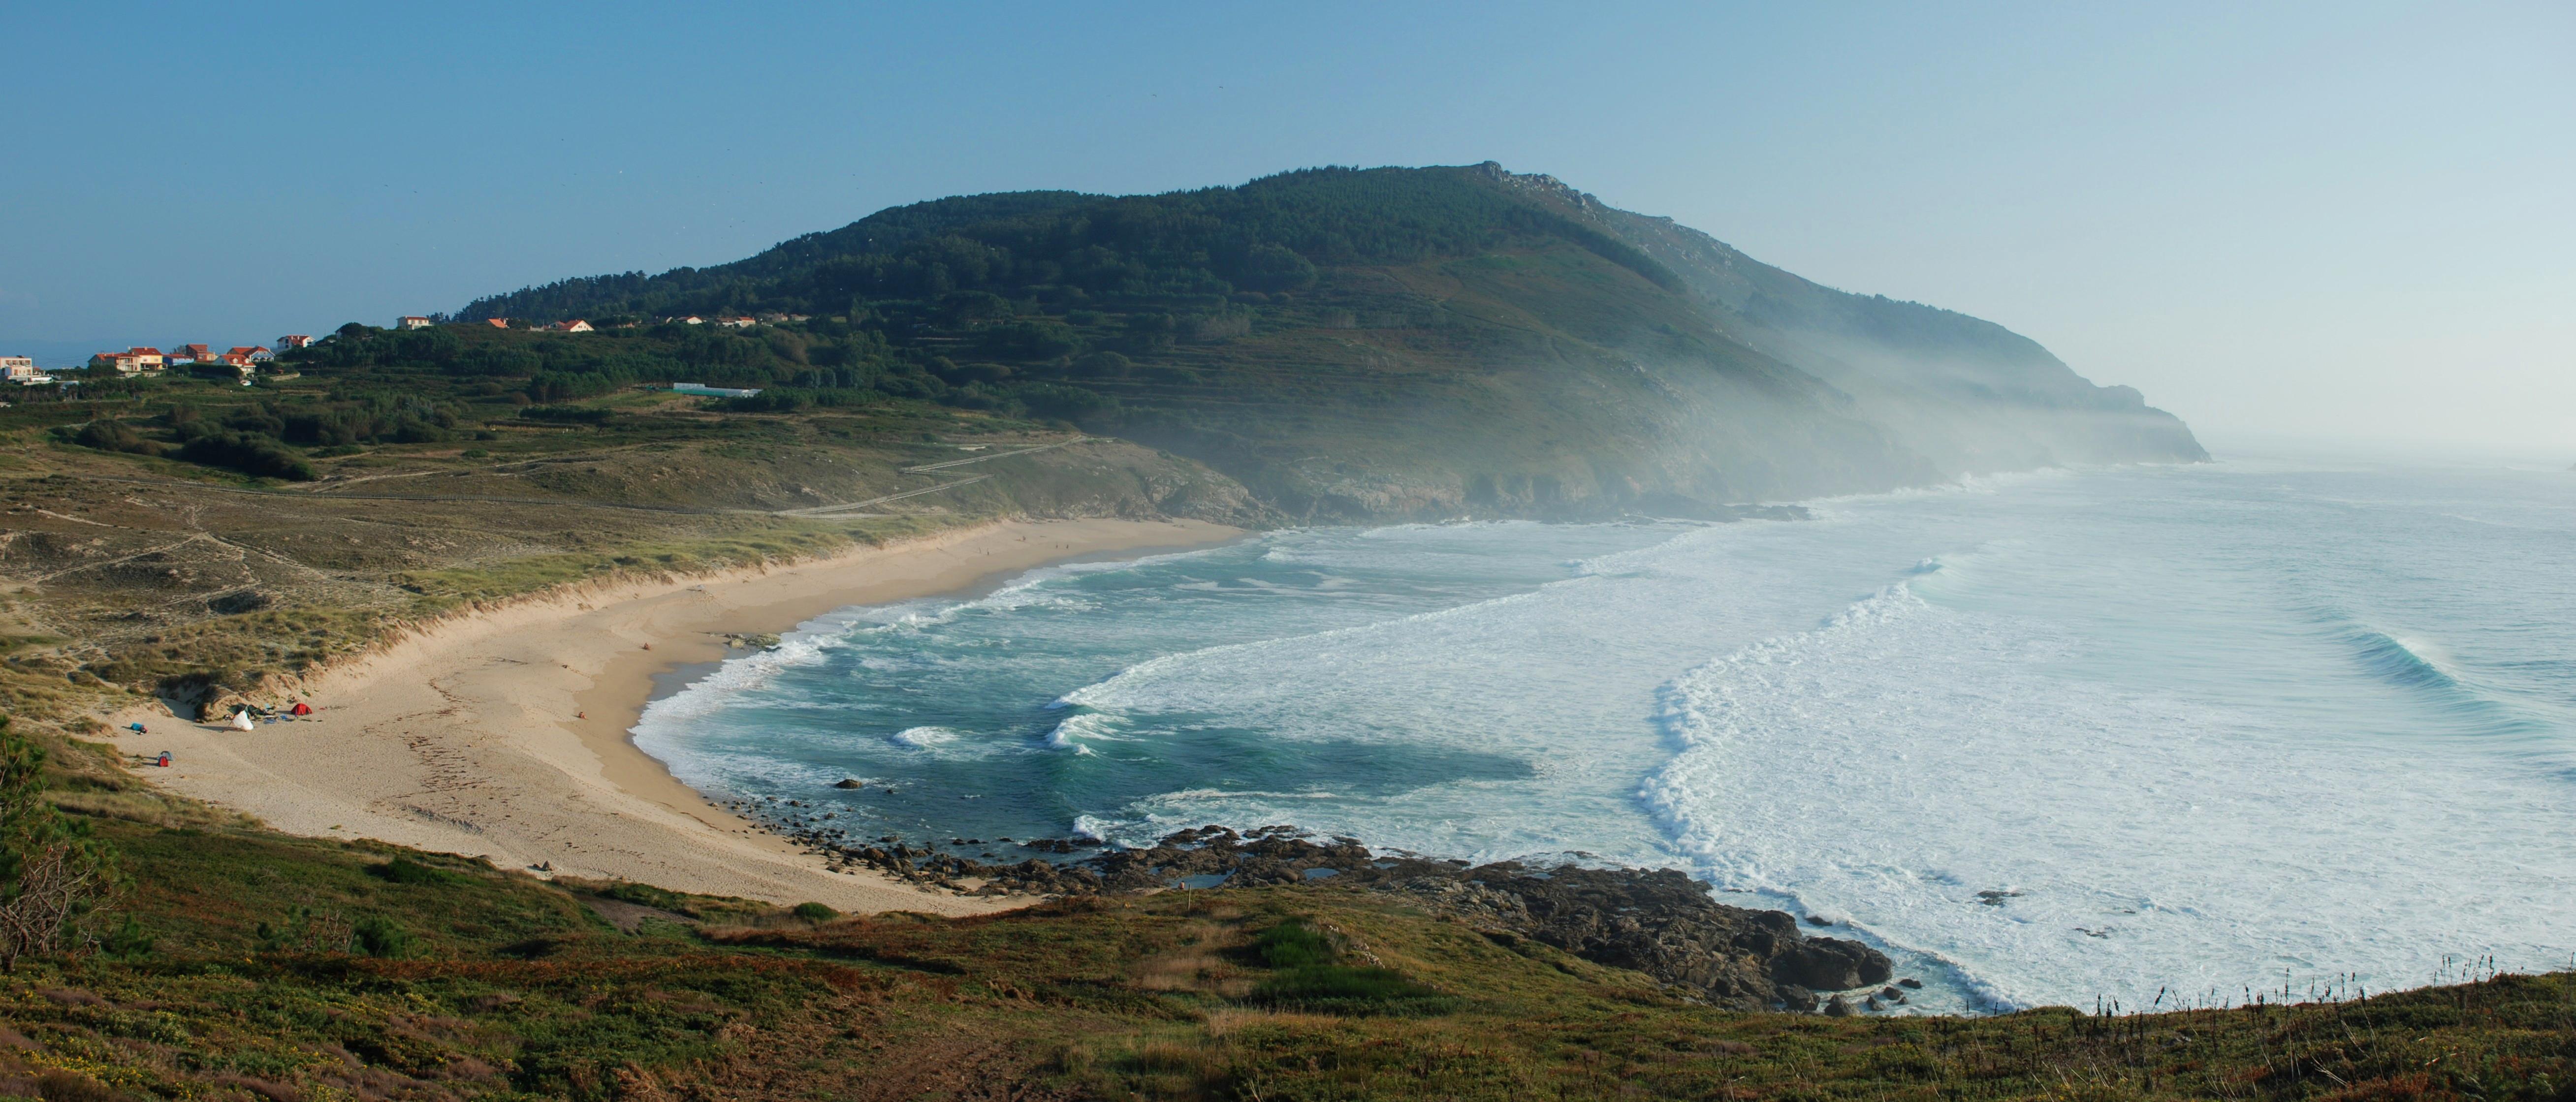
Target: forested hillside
[(1358, 344)]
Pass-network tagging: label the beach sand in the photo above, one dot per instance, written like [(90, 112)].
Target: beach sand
[(505, 734)]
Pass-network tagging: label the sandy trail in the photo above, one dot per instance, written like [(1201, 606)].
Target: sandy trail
[(504, 735)]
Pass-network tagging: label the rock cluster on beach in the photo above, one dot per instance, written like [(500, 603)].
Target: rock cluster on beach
[(1656, 921)]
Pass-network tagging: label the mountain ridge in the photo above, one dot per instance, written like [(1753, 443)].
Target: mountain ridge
[(1408, 343)]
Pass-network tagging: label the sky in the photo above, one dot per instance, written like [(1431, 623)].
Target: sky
[(2344, 221)]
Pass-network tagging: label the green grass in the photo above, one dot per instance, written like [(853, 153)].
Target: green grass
[(480, 983)]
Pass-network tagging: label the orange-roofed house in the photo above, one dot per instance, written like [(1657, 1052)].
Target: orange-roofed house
[(132, 361), (294, 340)]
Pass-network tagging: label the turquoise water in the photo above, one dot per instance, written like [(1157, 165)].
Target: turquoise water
[(2049, 737)]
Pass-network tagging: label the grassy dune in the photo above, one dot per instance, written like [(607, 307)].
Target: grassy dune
[(286, 968)]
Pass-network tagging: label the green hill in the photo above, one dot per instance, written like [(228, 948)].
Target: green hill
[(1356, 344)]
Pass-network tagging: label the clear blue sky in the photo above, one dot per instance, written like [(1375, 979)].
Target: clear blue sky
[(2333, 219)]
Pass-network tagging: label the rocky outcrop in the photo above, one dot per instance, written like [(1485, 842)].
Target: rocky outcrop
[(1656, 921)]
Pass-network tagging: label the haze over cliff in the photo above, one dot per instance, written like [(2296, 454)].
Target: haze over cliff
[(1395, 343)]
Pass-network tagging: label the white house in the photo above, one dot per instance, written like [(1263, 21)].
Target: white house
[(294, 340), (576, 325), (22, 370), (411, 321)]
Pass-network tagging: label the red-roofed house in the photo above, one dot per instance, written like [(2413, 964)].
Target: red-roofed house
[(295, 340), (499, 323), (132, 361), (187, 354), (250, 354), (576, 325)]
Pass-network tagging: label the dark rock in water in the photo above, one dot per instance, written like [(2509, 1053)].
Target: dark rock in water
[(1830, 964), (1819, 920), (1838, 1007), (1911, 983), (1872, 1004), (848, 782), (1893, 994)]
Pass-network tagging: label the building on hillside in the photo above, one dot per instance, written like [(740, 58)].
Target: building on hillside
[(738, 323), (22, 371), (712, 391), (132, 361), (412, 321), (499, 323), (187, 354), (250, 354), (692, 319), (576, 325), (294, 340)]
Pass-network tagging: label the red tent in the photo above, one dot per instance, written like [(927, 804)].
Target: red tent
[(302, 709)]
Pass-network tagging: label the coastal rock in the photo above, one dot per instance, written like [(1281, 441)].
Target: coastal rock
[(1830, 964), (1656, 921)]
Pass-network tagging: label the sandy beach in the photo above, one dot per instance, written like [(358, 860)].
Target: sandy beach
[(505, 734)]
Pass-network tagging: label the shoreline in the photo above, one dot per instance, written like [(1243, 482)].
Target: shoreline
[(507, 733)]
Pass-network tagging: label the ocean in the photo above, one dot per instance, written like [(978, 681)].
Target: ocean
[(2153, 734)]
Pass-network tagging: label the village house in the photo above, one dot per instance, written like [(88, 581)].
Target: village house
[(412, 321), (738, 323), (132, 361), (187, 354), (576, 325), (250, 354), (692, 319), (22, 371), (294, 340), (499, 323)]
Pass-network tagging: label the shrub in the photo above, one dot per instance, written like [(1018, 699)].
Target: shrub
[(116, 436), (264, 456), (1306, 976), (1070, 403), (53, 875), (815, 912), (404, 870), (573, 414), (378, 936), (628, 891)]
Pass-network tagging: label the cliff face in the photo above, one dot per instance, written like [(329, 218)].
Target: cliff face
[(1405, 343), (1966, 394)]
